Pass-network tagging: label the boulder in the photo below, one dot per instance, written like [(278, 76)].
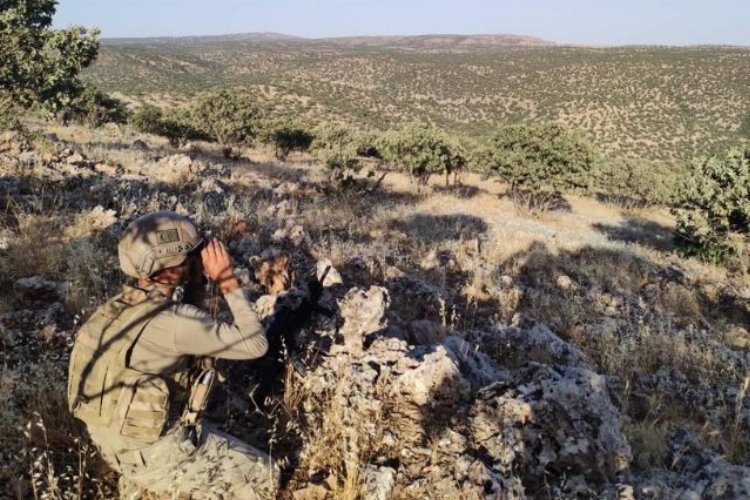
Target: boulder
[(549, 423), (40, 288), (696, 472), (363, 312)]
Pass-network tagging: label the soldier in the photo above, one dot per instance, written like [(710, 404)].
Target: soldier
[(130, 377)]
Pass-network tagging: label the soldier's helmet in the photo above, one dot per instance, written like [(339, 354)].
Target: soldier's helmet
[(157, 241)]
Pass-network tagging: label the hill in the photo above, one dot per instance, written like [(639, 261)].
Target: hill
[(656, 103)]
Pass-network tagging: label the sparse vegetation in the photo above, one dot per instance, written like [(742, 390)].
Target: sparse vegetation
[(660, 338)]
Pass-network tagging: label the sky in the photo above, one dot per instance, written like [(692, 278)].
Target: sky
[(589, 22)]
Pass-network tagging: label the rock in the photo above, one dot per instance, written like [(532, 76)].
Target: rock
[(29, 158), (738, 338), (436, 376), (40, 288), (286, 189), (505, 281), (564, 282), (281, 210), (75, 158), (363, 312), (698, 473), (528, 340), (7, 237), (139, 145), (425, 332), (543, 420), (311, 492), (414, 298), (377, 482), (174, 169), (212, 185), (332, 278), (475, 366), (265, 306), (98, 219), (295, 233), (109, 169)]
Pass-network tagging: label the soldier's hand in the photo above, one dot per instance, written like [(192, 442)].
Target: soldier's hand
[(217, 265)]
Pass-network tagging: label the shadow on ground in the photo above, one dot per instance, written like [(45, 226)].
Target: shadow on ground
[(641, 231)]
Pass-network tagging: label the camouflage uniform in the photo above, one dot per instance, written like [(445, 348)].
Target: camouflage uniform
[(130, 377)]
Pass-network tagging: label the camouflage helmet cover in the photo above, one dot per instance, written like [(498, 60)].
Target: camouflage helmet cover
[(155, 242)]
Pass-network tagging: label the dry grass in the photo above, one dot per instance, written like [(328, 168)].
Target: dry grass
[(655, 322)]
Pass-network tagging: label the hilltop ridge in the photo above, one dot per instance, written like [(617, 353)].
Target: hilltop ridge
[(415, 42)]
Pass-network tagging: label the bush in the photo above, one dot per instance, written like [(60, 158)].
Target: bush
[(288, 138), (39, 65), (540, 163), (336, 148), (229, 116), (94, 108), (9, 117), (713, 214), (639, 184), (421, 151), (147, 119), (175, 125)]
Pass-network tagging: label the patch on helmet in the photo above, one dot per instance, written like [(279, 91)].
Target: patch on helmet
[(167, 236)]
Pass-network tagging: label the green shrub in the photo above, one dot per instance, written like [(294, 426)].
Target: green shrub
[(713, 214), (419, 150), (229, 116), (288, 138), (336, 149), (9, 116), (39, 65), (174, 125), (638, 184), (147, 119), (540, 163), (94, 108)]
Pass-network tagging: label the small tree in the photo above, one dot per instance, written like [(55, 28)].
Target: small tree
[(713, 214), (336, 148), (638, 184), (94, 108), (39, 65), (419, 150), (147, 119), (287, 138), (229, 116), (540, 163)]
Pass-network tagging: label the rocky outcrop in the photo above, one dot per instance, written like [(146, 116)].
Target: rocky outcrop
[(696, 473), (452, 423)]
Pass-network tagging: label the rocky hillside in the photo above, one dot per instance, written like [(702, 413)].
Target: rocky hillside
[(474, 352)]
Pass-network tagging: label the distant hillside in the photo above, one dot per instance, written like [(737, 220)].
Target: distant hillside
[(438, 42), (655, 103), (192, 40), (418, 42)]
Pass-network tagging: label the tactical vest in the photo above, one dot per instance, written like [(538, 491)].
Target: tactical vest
[(103, 390)]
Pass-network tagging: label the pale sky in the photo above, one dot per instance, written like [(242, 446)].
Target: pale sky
[(596, 22)]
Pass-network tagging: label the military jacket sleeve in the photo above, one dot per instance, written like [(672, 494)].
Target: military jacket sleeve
[(188, 330)]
